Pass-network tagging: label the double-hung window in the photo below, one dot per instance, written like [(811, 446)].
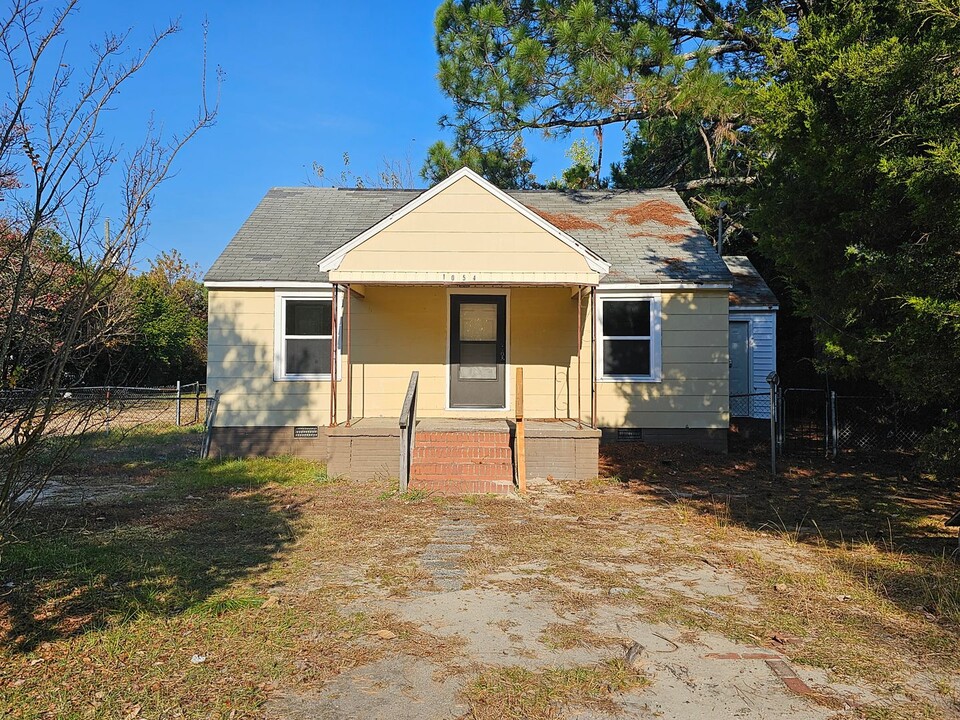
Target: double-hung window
[(629, 338), (304, 340)]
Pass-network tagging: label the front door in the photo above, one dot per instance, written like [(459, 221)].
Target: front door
[(739, 369), (478, 351)]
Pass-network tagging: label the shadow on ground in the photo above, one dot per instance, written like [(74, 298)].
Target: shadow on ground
[(69, 570), (878, 500), (876, 503)]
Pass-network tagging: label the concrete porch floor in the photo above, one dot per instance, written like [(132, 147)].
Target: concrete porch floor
[(539, 427)]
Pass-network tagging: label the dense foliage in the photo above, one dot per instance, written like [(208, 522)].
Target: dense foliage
[(860, 202), (170, 316), (826, 134)]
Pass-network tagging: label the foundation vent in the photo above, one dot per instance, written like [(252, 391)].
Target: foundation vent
[(306, 431)]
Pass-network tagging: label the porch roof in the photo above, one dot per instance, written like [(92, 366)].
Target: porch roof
[(646, 236)]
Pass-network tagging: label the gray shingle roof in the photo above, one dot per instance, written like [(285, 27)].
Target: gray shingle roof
[(647, 236), (749, 289)]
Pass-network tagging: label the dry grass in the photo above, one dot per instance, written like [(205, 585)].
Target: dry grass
[(261, 566), (241, 562), (515, 692), (849, 563), (567, 636)]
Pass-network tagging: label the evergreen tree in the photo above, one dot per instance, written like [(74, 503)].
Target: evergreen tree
[(860, 203)]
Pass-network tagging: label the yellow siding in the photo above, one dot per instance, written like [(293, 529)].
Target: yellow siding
[(240, 365), (694, 391), (400, 329), (464, 230)]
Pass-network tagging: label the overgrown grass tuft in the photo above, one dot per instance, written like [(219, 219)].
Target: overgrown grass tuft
[(515, 692), (215, 607)]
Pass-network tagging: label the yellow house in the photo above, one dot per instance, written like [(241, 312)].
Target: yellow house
[(387, 331)]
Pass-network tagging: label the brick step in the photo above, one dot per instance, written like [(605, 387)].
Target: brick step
[(455, 470), (442, 486), (460, 452), (494, 439)]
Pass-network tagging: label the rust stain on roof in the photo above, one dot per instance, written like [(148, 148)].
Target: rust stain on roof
[(656, 210), (567, 221)]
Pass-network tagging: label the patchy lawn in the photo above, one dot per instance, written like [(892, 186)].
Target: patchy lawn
[(264, 588)]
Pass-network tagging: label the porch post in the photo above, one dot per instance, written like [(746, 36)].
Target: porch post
[(349, 292), (579, 347), (333, 357), (593, 358)]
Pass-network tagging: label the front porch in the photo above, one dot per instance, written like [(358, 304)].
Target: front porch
[(462, 426), (463, 455)]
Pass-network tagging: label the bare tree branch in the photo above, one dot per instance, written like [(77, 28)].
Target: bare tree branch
[(715, 182), (59, 277)]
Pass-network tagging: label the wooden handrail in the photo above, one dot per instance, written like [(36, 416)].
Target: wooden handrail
[(519, 446), (209, 421), (408, 428)]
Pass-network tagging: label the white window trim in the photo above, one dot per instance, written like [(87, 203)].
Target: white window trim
[(280, 336), (656, 359)]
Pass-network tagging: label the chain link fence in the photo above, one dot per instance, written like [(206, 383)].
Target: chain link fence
[(873, 424), (812, 420), (822, 422), (116, 407), (750, 405)]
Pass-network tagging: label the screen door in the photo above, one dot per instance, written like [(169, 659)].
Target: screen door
[(478, 351)]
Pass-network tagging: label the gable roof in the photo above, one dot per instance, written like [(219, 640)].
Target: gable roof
[(646, 236), (594, 261), (749, 289)]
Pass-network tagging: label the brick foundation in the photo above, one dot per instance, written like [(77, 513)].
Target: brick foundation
[(448, 460), (707, 438), (561, 451), (232, 442), (362, 452)]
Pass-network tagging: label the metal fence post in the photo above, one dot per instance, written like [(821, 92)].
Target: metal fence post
[(177, 411), (196, 412), (108, 409), (773, 379), (835, 428)]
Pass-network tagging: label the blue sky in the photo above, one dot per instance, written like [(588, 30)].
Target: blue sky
[(305, 82)]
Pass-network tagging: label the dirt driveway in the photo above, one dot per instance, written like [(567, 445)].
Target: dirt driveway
[(512, 638)]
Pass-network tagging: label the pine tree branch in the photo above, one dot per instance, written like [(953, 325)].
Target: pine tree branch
[(751, 42), (714, 182)]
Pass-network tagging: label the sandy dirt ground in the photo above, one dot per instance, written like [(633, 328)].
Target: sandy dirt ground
[(492, 622)]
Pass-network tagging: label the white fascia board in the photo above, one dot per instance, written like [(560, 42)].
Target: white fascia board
[(630, 287), (216, 284), (754, 308), (594, 261)]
